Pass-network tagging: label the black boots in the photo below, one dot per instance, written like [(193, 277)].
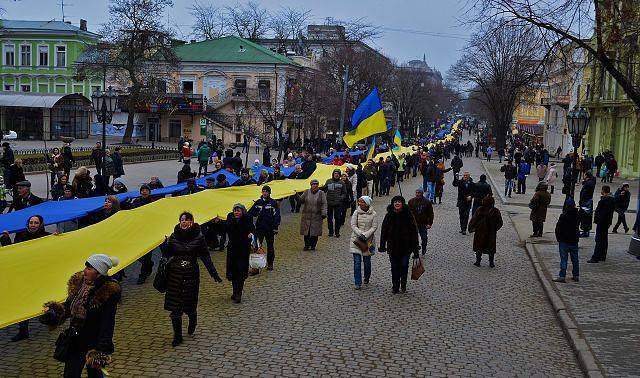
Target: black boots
[(403, 284), (177, 331), (23, 332), (193, 321)]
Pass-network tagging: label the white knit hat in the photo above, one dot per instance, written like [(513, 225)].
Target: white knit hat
[(367, 200), (102, 263)]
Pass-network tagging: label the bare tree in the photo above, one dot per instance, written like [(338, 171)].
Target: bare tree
[(248, 20), (141, 53), (614, 25), (209, 22), (500, 63), (296, 20)]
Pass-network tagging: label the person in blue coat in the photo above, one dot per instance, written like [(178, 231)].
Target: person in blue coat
[(523, 171), (267, 214)]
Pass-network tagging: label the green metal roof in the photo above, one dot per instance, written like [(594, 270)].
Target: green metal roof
[(53, 27), (230, 49)]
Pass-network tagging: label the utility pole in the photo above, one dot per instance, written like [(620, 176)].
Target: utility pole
[(344, 102)]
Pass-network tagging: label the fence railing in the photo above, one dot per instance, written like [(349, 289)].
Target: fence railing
[(36, 151)]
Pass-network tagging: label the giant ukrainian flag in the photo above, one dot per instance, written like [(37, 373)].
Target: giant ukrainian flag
[(368, 119)]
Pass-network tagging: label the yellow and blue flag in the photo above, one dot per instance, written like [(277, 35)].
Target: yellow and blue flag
[(372, 149), (397, 139), (368, 119)]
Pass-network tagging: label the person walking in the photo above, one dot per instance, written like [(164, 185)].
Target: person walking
[(69, 160), (622, 198), (481, 189), (552, 176), (203, 155), (465, 195), (603, 217), (117, 163), (585, 203), (567, 236), (267, 214), (510, 173), (524, 169), (185, 245), (422, 210), (91, 306), (336, 195), (485, 223), (538, 205), (364, 224), (399, 236), (239, 227), (314, 210), (96, 157)]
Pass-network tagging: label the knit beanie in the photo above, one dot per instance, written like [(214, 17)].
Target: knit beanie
[(102, 263), (367, 200)]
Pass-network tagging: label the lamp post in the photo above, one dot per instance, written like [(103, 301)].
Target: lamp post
[(104, 104), (578, 122)]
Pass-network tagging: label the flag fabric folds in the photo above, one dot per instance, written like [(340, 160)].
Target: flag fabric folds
[(397, 139), (372, 149), (368, 119)]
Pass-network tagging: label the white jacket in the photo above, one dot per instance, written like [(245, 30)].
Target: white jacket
[(363, 223)]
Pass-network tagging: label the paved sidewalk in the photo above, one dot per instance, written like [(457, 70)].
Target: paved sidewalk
[(557, 199), (604, 303)]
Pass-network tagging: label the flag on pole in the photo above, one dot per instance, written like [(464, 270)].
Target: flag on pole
[(372, 149), (368, 119), (397, 139)]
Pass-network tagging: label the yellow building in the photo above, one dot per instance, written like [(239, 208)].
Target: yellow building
[(529, 116)]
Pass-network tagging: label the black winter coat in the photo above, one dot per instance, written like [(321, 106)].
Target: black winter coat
[(183, 272), (465, 189), (586, 193), (567, 226), (399, 234), (603, 215), (238, 247)]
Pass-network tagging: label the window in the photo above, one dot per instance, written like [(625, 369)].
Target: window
[(43, 88), (264, 89), (95, 88), (61, 88), (9, 87), (9, 55), (25, 55), (25, 88), (240, 87), (61, 56), (43, 56), (175, 128), (187, 86)]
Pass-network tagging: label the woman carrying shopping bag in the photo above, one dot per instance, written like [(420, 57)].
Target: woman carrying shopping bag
[(363, 225)]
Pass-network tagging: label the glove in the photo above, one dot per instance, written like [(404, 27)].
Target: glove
[(216, 277)]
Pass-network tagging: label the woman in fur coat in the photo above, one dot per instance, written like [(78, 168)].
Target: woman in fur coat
[(184, 247), (91, 307)]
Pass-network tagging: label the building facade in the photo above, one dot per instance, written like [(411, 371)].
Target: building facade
[(41, 96), (529, 117)]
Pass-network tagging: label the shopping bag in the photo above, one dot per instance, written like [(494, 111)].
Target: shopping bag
[(257, 260), (417, 268)]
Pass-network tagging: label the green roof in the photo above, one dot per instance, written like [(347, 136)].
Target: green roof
[(229, 49)]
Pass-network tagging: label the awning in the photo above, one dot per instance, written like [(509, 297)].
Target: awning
[(29, 100)]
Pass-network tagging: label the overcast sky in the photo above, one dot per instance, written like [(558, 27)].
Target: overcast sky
[(418, 20)]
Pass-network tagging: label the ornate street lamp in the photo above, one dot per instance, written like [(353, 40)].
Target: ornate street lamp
[(578, 122), (104, 104)]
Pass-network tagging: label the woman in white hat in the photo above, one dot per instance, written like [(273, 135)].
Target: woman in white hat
[(91, 307), (363, 225)]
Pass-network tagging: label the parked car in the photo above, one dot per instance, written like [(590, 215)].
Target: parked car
[(11, 135)]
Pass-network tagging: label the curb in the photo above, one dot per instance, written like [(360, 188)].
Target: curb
[(586, 358), (93, 166)]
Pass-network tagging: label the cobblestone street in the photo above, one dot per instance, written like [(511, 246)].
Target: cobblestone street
[(305, 318)]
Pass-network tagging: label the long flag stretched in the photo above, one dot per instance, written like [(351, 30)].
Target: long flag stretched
[(368, 119), (397, 139), (372, 149)]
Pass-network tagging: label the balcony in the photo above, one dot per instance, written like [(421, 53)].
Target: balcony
[(174, 103), (560, 100)]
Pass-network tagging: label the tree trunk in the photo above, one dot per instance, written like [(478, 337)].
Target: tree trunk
[(128, 132)]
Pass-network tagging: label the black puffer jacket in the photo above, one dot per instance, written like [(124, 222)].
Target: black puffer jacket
[(239, 248), (399, 234), (567, 226), (183, 273)]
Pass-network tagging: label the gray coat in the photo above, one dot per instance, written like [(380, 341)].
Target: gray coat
[(314, 210)]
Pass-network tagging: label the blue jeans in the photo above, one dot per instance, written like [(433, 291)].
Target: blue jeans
[(431, 190), (357, 270), (508, 186), (399, 270), (424, 237), (567, 250)]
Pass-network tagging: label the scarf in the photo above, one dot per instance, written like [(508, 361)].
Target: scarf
[(78, 308)]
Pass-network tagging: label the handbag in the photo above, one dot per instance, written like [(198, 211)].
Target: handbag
[(417, 269), (64, 343), (160, 279)]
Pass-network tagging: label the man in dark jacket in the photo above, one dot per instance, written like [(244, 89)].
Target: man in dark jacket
[(267, 214), (96, 157), (510, 173), (456, 164), (622, 199), (7, 155), (308, 167), (567, 237), (25, 198), (603, 217), (599, 160), (585, 203), (245, 179), (336, 195), (422, 210), (465, 195), (480, 190)]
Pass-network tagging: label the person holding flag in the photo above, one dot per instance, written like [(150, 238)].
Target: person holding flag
[(368, 119)]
